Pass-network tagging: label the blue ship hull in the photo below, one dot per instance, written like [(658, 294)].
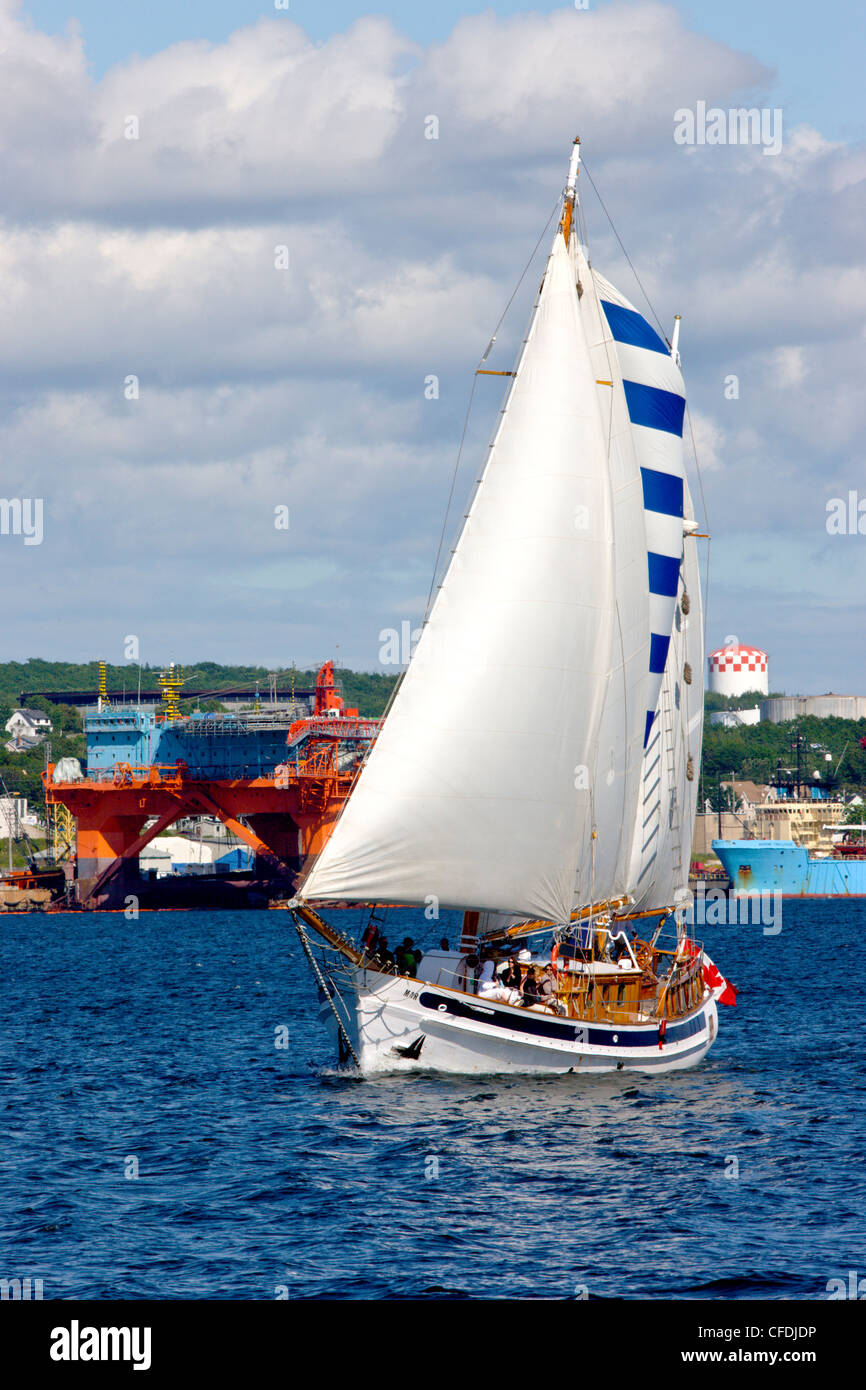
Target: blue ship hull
[(780, 866)]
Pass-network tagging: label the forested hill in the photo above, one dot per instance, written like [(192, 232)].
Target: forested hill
[(22, 770), (750, 753), (368, 690)]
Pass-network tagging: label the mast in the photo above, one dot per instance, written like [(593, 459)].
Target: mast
[(570, 194), (675, 339)]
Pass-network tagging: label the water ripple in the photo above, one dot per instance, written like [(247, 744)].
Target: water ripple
[(157, 1144)]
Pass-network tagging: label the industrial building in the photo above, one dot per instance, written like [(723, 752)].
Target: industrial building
[(274, 780), (736, 718), (737, 669)]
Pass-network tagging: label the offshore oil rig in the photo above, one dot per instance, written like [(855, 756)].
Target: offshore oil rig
[(275, 780)]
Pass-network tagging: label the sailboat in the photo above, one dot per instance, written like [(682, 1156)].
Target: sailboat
[(537, 768)]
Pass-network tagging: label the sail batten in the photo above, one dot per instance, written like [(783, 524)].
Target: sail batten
[(476, 792)]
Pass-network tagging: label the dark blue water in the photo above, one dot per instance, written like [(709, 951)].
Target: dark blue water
[(261, 1169)]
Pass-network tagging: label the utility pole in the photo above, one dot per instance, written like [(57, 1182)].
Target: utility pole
[(50, 838)]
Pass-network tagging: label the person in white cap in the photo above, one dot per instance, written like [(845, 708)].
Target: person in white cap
[(497, 989), (486, 980)]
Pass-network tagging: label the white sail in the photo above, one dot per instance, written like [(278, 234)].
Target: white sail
[(603, 869), (655, 397), (666, 811), (475, 793), (647, 386), (692, 718)]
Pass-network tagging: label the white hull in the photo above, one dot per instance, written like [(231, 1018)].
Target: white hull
[(447, 1030)]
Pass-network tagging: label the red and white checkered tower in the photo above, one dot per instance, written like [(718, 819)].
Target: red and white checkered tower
[(736, 669)]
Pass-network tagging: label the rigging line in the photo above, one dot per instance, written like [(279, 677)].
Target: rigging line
[(429, 602), (392, 697), (698, 466), (397, 684), (624, 252), (581, 222), (327, 993), (706, 595), (553, 213)]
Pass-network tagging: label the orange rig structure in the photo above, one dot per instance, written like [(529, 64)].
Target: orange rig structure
[(276, 782)]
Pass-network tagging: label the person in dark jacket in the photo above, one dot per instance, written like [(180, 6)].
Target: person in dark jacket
[(382, 953), (512, 977), (530, 988)]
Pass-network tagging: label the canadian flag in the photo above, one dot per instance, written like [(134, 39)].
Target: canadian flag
[(713, 977), (726, 992)]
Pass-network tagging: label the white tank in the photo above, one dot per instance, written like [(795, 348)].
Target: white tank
[(782, 708), (736, 669)]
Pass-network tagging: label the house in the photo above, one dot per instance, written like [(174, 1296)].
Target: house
[(13, 815), (28, 723), (747, 795), (22, 743)]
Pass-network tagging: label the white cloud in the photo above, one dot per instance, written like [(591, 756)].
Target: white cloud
[(788, 365), (155, 257), (709, 440)]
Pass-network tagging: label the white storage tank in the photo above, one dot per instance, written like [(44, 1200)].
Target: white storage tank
[(782, 708), (736, 669)]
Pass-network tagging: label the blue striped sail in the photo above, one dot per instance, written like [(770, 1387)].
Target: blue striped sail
[(656, 402)]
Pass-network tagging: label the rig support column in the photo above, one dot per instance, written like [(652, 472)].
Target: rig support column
[(102, 842)]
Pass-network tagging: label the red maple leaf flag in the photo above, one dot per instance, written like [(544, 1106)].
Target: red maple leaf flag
[(713, 977)]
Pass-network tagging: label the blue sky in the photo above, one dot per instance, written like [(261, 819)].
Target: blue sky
[(817, 51), (303, 387)]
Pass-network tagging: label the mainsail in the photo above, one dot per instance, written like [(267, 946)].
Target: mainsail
[(476, 791)]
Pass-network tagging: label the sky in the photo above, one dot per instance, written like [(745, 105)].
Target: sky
[(231, 260)]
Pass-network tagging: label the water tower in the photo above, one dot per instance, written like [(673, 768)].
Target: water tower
[(737, 668)]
